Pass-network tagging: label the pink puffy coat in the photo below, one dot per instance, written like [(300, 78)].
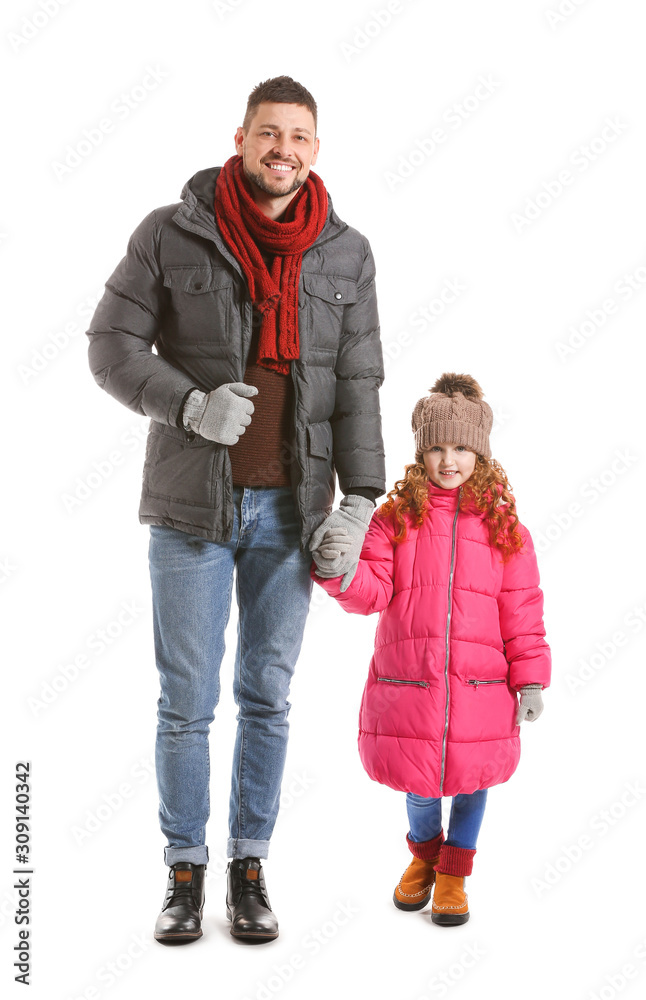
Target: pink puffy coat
[(459, 633)]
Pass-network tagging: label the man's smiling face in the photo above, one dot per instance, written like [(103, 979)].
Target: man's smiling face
[(278, 148)]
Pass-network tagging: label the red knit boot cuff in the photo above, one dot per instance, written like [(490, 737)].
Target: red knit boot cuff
[(455, 860), (426, 850)]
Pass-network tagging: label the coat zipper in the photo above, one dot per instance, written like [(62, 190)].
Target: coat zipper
[(297, 489), (295, 383), (228, 470), (446, 641), (398, 680), (477, 683)]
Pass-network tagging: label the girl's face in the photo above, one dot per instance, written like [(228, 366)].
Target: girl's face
[(449, 465)]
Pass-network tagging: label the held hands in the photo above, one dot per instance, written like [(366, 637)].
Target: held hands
[(336, 544), (224, 414), (531, 703)]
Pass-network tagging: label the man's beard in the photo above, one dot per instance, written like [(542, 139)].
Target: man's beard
[(260, 182)]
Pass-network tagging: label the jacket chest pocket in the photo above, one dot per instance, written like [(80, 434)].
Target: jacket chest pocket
[(327, 297), (201, 302)]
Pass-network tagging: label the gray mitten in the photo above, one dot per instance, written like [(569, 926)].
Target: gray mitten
[(354, 515), (531, 703), (222, 415)]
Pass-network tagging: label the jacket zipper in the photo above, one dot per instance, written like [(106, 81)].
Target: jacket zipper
[(295, 383), (476, 683), (446, 641), (294, 458), (398, 680), (228, 471)]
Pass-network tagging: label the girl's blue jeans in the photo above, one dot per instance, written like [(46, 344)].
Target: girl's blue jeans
[(425, 818)]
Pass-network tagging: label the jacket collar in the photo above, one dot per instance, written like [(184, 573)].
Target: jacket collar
[(448, 499), (444, 499), (197, 214)]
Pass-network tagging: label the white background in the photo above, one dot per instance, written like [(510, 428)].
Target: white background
[(568, 431)]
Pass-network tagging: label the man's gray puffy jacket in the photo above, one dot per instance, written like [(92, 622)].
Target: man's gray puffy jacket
[(180, 289)]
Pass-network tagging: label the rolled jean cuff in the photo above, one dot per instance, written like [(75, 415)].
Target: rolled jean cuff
[(237, 848), (196, 855)]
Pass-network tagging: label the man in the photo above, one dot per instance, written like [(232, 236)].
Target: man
[(250, 288)]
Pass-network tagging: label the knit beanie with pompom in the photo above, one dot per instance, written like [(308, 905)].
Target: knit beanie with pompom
[(454, 413)]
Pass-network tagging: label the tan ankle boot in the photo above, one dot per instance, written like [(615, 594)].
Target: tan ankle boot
[(450, 901), (416, 884)]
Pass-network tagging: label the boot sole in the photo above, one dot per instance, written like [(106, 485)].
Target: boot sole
[(177, 938), (449, 919), (411, 906)]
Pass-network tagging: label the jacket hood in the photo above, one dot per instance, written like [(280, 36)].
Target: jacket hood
[(201, 185), (199, 192)]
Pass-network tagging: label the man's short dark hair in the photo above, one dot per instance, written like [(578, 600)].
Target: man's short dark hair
[(279, 90)]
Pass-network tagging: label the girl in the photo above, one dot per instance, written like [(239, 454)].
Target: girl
[(453, 574)]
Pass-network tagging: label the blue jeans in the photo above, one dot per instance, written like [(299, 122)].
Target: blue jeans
[(425, 818), (192, 581)]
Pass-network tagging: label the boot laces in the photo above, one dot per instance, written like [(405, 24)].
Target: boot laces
[(181, 892), (250, 886)]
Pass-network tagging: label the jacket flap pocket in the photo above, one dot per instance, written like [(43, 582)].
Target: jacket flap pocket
[(338, 291), (319, 439), (197, 280)]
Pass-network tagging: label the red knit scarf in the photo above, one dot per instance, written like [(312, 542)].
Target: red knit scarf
[(246, 231)]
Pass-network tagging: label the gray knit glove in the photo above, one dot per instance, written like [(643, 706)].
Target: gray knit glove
[(335, 543), (531, 703), (338, 558), (222, 415)]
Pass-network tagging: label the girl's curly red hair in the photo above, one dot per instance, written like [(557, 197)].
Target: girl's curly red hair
[(487, 489)]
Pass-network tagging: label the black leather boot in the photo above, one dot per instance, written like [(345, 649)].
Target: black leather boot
[(248, 908), (180, 920)]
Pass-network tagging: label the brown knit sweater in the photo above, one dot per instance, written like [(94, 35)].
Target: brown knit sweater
[(263, 454)]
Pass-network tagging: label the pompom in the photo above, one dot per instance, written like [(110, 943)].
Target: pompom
[(449, 383)]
